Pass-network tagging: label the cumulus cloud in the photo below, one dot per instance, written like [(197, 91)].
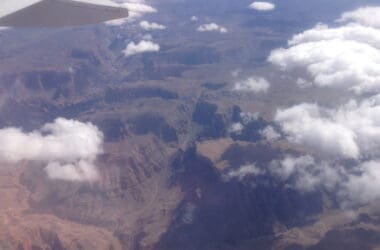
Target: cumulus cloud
[(136, 8), (212, 27), (305, 174), (270, 134), (147, 37), (351, 32), (350, 131), (344, 57), (237, 128), (356, 186), (151, 26), (341, 142), (363, 187), (303, 83), (262, 6), (353, 185), (302, 173), (243, 171), (80, 171), (143, 46), (245, 118), (368, 16), (236, 72), (305, 125), (68, 147), (194, 19), (253, 84)]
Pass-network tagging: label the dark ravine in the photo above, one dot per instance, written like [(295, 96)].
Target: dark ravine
[(226, 214)]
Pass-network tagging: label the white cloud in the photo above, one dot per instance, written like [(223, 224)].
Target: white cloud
[(66, 146), (141, 47), (147, 37), (80, 171), (303, 83), (262, 6), (369, 16), (136, 8), (253, 84), (151, 26), (236, 128), (302, 173), (235, 73), (305, 174), (363, 187), (243, 171), (345, 57), (270, 134), (286, 167), (351, 32), (194, 19), (247, 117), (305, 125), (350, 131), (212, 27)]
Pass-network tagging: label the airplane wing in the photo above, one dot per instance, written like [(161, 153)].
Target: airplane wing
[(58, 13)]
